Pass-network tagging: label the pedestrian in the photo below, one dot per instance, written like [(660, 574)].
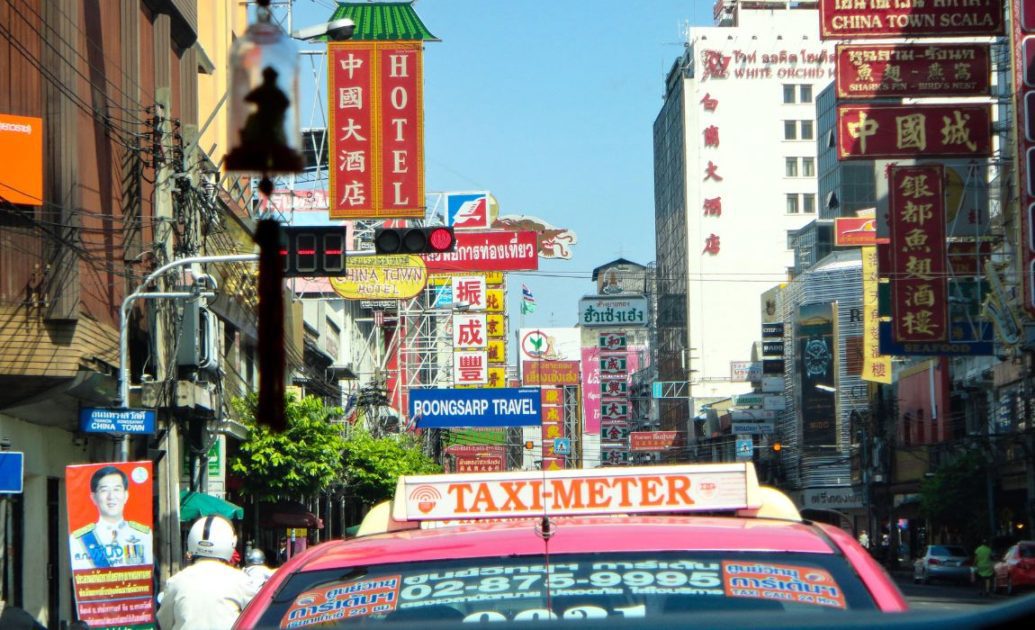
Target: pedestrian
[(984, 567), (255, 566), (210, 593)]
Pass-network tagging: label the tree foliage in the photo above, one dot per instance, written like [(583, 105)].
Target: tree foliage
[(373, 465), (301, 461), (955, 496)]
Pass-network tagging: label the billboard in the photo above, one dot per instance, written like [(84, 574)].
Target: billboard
[(549, 344), (817, 367), (877, 130), (457, 408), (870, 19), (867, 71), (375, 92), (855, 231), (110, 542), (22, 180), (535, 373), (495, 250), (918, 264), (646, 441)]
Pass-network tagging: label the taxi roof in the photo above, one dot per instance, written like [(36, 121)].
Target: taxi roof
[(586, 534)]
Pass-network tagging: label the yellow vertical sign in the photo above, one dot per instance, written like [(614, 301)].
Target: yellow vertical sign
[(876, 367)]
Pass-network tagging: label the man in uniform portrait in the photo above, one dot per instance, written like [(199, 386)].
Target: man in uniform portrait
[(112, 541)]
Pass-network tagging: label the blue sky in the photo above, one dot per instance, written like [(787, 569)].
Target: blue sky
[(549, 104)]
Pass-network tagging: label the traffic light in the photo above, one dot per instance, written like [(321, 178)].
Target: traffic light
[(312, 251), (777, 447), (414, 240)]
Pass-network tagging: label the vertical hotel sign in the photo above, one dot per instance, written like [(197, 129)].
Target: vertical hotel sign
[(918, 265), (377, 130)]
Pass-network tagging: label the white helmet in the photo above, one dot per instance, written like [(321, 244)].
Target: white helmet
[(212, 537)]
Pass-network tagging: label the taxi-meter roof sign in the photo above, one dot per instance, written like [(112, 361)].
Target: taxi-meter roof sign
[(577, 492)]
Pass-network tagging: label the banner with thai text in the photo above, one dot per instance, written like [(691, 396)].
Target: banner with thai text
[(867, 71)]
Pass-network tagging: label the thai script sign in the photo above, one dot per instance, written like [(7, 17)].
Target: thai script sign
[(381, 278), (875, 130), (613, 311), (918, 265), (287, 200), (906, 70), (752, 64), (487, 251), (830, 498), (454, 408), (869, 19), (653, 440), (119, 421), (535, 373), (376, 129)]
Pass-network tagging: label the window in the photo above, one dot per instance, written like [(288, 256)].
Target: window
[(804, 94), (788, 93), (791, 167), (790, 130), (808, 167), (808, 204), (806, 130), (792, 203), (792, 237)]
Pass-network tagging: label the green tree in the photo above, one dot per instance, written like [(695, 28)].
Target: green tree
[(301, 461), (374, 465), (955, 496)]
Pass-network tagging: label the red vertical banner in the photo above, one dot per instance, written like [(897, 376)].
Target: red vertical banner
[(376, 131), (553, 426), (110, 542), (1022, 47), (918, 263)]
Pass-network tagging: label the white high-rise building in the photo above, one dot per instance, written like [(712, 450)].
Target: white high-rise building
[(735, 172)]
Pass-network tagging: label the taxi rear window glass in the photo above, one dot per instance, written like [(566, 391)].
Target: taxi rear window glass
[(576, 586)]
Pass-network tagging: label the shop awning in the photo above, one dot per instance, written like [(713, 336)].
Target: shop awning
[(194, 505), (288, 514)]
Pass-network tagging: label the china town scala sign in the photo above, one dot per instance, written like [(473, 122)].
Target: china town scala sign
[(870, 19)]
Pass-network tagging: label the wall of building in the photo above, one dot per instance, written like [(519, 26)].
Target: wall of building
[(736, 154)]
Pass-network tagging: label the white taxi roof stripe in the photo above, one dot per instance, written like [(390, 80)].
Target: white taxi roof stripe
[(634, 490)]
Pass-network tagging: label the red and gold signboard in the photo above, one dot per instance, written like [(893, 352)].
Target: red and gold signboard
[(1022, 46), (871, 19), (535, 373), (874, 130), (918, 266), (466, 463), (495, 250), (653, 440), (376, 130), (904, 70)]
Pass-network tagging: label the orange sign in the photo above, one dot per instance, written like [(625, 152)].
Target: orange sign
[(21, 149), (856, 232), (536, 373)]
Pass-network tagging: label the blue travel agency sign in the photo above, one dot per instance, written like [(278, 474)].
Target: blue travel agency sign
[(136, 421), (457, 408)]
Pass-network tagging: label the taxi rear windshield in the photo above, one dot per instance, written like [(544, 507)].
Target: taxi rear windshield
[(576, 586)]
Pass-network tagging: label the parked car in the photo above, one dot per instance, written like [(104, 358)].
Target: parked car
[(942, 562), (1017, 568)]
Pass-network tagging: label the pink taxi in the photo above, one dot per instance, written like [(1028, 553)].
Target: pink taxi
[(604, 544)]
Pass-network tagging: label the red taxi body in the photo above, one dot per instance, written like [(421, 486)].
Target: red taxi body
[(600, 536)]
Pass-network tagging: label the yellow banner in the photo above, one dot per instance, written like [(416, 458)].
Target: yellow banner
[(495, 301), (876, 367), (496, 326), (497, 350)]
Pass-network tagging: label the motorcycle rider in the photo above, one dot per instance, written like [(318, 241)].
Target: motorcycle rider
[(210, 593), (255, 566)]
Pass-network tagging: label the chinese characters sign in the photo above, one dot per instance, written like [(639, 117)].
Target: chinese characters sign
[(873, 130), (869, 19), (901, 70), (876, 366), (376, 130), (918, 264)]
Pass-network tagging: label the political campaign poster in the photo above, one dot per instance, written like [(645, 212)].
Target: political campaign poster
[(110, 542)]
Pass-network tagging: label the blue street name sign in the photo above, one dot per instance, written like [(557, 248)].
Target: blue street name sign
[(12, 468), (493, 407), (136, 421)]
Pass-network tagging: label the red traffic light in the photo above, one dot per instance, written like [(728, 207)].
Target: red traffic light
[(777, 447), (427, 240)]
